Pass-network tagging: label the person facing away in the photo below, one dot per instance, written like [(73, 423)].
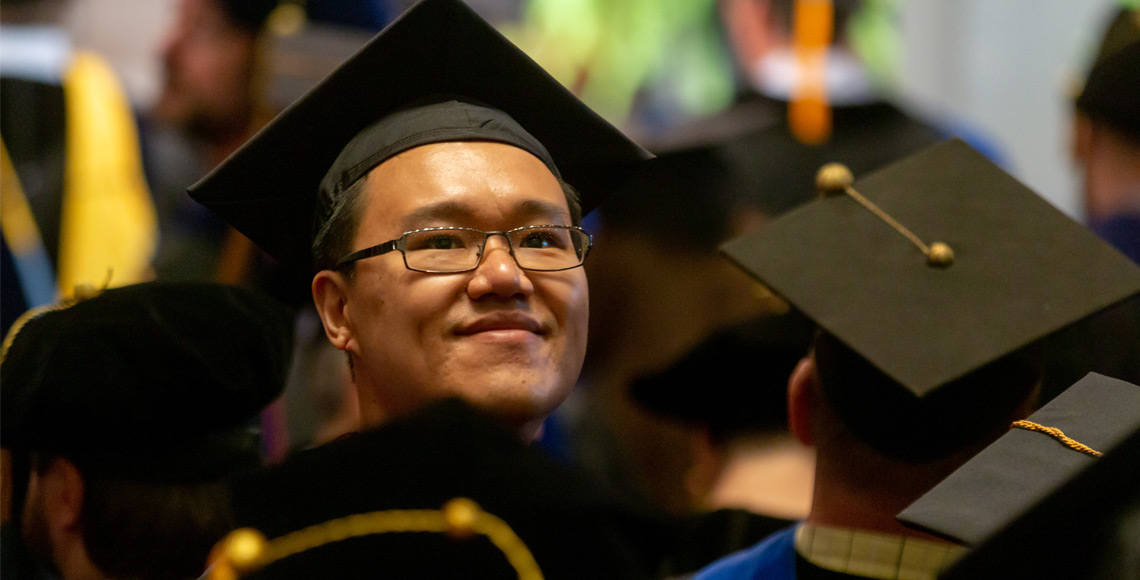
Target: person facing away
[(1105, 143), (1106, 135), (870, 465), (124, 414), (927, 350), (434, 216)]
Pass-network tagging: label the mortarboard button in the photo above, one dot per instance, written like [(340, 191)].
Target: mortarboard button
[(940, 255), (836, 179)]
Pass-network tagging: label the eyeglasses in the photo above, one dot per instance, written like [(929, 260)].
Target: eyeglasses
[(543, 248)]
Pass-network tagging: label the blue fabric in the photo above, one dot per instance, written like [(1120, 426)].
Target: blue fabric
[(774, 558), (975, 139), (1122, 231)]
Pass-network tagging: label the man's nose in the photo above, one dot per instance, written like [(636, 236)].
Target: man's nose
[(498, 274)]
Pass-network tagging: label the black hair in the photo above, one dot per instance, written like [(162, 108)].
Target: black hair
[(168, 527), (894, 422)]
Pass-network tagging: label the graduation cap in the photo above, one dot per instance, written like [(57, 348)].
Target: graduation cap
[(450, 76), (248, 14), (1045, 497), (760, 354), (153, 382), (1112, 90), (416, 467), (1034, 459), (657, 200), (935, 266)]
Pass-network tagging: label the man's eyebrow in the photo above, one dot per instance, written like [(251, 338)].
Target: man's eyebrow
[(443, 211), (458, 213), (537, 208)]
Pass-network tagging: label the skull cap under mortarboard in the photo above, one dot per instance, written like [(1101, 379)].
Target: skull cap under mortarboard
[(441, 54), (1021, 269), (151, 382)]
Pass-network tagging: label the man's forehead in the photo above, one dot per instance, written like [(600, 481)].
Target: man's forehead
[(459, 182), (518, 211), (441, 156)]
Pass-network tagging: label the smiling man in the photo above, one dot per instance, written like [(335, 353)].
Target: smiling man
[(427, 183), (490, 325)]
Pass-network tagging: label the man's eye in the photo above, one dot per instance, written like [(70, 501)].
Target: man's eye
[(544, 239)]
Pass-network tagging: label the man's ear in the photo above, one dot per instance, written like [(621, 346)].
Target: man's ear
[(330, 295), (62, 490), (1081, 140), (707, 465), (801, 400)]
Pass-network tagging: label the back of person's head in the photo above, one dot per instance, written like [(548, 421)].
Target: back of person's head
[(961, 414), (748, 399), (147, 397), (683, 201), (249, 15), (1111, 95), (142, 530)]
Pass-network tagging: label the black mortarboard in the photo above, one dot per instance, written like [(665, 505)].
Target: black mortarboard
[(151, 382), (752, 361), (422, 462), (1021, 468), (1038, 501), (248, 14), (1020, 269), (1112, 89), (659, 200), (291, 174)]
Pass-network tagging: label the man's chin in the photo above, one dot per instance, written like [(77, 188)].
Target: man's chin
[(516, 407)]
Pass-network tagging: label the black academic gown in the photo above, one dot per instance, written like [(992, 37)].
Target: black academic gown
[(15, 560)]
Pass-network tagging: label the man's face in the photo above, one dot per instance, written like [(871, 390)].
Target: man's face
[(208, 66), (508, 340)]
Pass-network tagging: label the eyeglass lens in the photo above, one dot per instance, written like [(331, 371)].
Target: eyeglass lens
[(535, 248)]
